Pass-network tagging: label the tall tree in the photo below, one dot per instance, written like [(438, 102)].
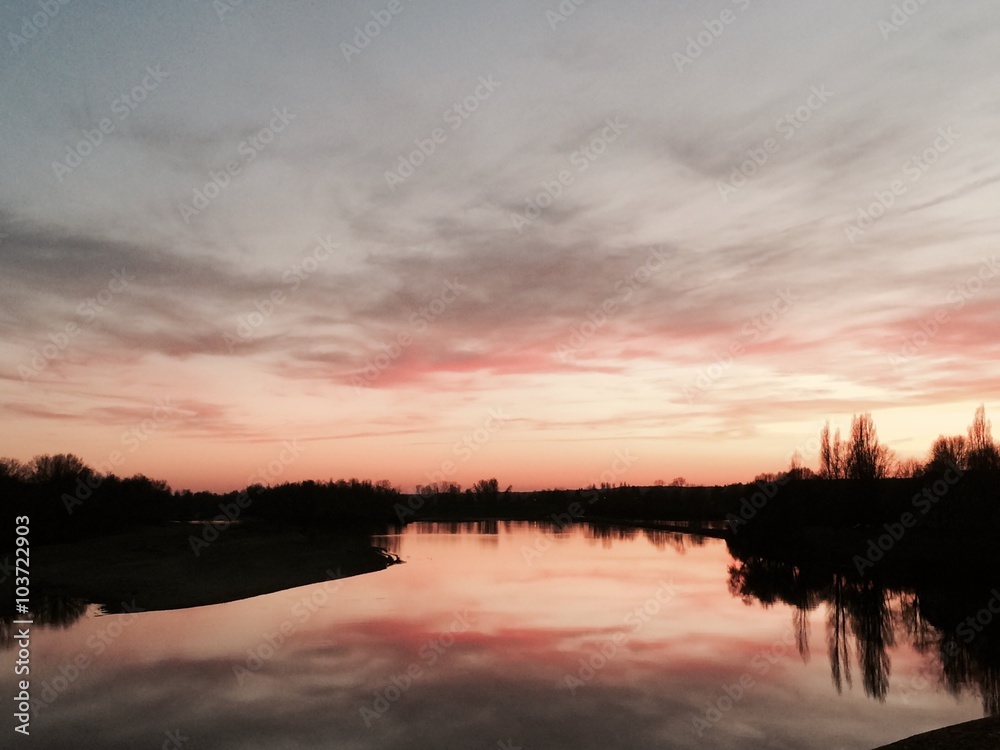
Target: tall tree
[(982, 451), (831, 455), (866, 457), (949, 453)]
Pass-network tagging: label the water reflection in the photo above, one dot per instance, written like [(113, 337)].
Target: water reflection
[(296, 668), (659, 537), (866, 618), (48, 610)]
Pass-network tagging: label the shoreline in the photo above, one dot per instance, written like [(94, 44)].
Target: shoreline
[(154, 568), (979, 734)]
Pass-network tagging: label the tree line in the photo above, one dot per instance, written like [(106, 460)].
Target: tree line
[(862, 456), (67, 499)]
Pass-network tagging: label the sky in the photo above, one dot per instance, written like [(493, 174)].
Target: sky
[(554, 243)]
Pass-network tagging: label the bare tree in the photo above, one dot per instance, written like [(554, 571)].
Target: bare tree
[(949, 452), (14, 469), (839, 455), (832, 459), (486, 489), (866, 457), (63, 466), (908, 469), (796, 470), (982, 453)]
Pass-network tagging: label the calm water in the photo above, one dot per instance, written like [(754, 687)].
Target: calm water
[(524, 637)]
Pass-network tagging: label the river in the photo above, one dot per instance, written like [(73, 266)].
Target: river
[(495, 636)]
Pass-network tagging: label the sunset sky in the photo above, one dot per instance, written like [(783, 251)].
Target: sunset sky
[(455, 240)]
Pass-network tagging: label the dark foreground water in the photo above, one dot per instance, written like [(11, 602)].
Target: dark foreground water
[(509, 636)]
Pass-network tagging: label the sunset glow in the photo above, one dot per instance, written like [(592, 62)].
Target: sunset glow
[(243, 246)]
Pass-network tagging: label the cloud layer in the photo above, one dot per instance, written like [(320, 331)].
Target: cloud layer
[(682, 230)]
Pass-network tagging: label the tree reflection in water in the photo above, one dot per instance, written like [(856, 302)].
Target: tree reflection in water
[(50, 610), (867, 618)]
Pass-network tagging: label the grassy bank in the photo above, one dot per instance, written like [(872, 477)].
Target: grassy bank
[(154, 567)]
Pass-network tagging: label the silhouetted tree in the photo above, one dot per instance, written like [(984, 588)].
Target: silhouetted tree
[(796, 470), (11, 468), (487, 489), (948, 452), (866, 457), (833, 462), (982, 453), (767, 476), (64, 466), (908, 469)]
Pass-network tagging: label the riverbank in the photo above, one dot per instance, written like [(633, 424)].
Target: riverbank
[(155, 567), (981, 734)]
